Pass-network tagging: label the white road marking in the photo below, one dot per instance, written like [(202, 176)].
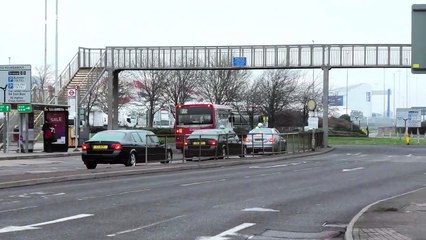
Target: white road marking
[(259, 210), (353, 154), (305, 169), (353, 169), (198, 183), (409, 155), (58, 194), (266, 167), (231, 232), (326, 224), (146, 226), (114, 194), (267, 174), (17, 209), (37, 225)]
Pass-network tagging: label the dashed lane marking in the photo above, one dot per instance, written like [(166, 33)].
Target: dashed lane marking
[(146, 226), (353, 169), (203, 182)]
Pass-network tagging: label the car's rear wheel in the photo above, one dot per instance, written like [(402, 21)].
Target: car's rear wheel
[(169, 157), (223, 152), (244, 152), (91, 165), (131, 162)]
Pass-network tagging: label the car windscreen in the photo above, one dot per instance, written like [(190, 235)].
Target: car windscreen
[(108, 136), (261, 130)]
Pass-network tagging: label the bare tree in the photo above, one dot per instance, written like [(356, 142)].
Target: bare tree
[(305, 92), (43, 79), (274, 91), (94, 96), (100, 95), (179, 85), (151, 89), (223, 86)]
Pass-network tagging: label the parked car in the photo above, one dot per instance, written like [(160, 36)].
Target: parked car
[(265, 140), (126, 147), (217, 143)]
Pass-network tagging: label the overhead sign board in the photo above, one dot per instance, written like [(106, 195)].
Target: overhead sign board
[(15, 83), (418, 38), (409, 116)]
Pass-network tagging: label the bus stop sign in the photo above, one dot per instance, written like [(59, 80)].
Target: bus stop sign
[(418, 39)]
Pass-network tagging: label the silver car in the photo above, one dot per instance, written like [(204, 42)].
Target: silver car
[(265, 140)]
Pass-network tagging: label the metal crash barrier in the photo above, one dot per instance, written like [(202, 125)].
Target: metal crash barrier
[(230, 146)]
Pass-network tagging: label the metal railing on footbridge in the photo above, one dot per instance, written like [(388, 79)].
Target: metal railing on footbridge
[(260, 57)]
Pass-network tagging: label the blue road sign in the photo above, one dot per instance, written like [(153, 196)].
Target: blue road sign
[(239, 62), (10, 85), (335, 100), (9, 79)]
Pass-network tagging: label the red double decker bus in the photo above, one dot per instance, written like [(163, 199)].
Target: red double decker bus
[(190, 117)]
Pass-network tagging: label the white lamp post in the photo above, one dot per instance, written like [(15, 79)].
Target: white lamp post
[(56, 57)]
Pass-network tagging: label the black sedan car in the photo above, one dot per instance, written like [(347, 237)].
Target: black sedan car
[(126, 147), (216, 143)]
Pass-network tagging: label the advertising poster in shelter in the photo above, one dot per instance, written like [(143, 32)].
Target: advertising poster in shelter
[(59, 120)]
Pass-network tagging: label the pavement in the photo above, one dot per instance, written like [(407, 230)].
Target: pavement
[(401, 217)]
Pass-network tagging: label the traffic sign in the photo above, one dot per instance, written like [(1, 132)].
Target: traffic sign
[(71, 93), (239, 61), (4, 107), (15, 81), (25, 108), (408, 117)]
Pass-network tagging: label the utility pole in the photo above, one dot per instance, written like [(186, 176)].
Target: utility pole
[(56, 57), (45, 38), (313, 69)]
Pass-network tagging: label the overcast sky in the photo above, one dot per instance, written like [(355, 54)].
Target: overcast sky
[(100, 23)]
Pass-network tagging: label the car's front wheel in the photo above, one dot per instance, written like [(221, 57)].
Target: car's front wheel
[(91, 165), (131, 162)]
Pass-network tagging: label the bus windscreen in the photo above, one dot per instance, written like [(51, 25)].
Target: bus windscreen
[(195, 115)]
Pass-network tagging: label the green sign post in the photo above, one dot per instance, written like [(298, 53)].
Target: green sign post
[(25, 108), (4, 107)]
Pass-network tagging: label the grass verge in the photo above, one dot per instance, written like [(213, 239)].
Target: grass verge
[(372, 141)]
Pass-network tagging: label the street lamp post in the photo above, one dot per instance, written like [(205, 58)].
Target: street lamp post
[(347, 85), (313, 69), (394, 93), (5, 121), (45, 37), (56, 57), (406, 85)]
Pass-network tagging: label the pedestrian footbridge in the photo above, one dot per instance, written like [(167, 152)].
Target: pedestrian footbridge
[(91, 64)]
